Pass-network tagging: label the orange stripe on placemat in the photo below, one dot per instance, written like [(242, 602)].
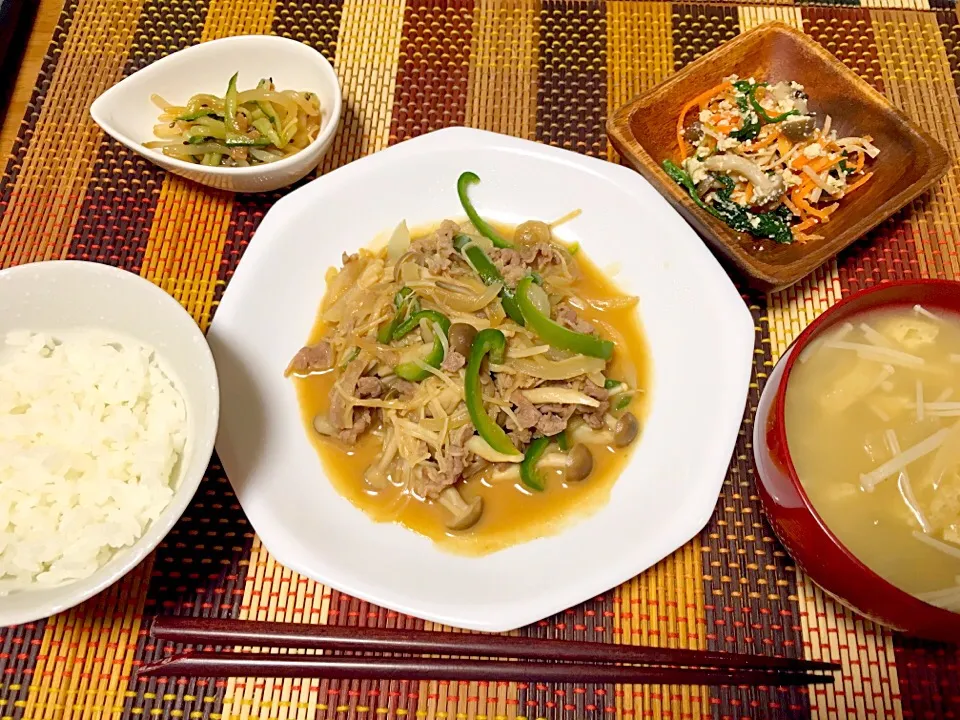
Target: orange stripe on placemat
[(431, 89), (185, 245), (45, 201)]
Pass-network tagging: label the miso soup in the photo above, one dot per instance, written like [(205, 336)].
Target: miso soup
[(873, 427)]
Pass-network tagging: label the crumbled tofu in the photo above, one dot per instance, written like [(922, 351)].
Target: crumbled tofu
[(695, 169), (705, 116), (795, 85), (703, 151), (726, 105), (755, 221), (790, 178), (834, 184), (726, 143), (812, 151), (910, 333)]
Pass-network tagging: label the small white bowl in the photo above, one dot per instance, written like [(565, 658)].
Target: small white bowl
[(65, 295), (126, 113)]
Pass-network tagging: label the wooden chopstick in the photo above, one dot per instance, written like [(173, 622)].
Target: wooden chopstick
[(239, 664), (569, 660)]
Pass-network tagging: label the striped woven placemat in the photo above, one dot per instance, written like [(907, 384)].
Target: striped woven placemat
[(548, 71)]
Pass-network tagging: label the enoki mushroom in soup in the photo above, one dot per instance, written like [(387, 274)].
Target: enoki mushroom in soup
[(479, 385), (873, 426)]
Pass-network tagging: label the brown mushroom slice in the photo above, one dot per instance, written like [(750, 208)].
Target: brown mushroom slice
[(461, 337), (463, 514), (579, 463), (627, 429)]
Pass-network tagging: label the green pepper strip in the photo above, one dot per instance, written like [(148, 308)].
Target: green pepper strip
[(492, 341), (528, 468), (557, 335), (489, 274), (468, 178), (623, 402), (413, 371), (562, 440), (401, 301)]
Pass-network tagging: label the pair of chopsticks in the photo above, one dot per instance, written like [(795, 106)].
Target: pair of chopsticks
[(536, 659)]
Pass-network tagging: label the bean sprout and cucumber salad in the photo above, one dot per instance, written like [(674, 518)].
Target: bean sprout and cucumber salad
[(240, 129)]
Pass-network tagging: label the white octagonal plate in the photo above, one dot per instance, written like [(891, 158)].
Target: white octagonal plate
[(699, 330)]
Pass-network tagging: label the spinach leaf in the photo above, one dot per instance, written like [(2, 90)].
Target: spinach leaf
[(773, 225)]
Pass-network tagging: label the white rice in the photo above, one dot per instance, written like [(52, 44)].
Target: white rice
[(91, 433)]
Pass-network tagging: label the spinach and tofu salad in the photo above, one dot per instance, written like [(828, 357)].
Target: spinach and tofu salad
[(753, 155)]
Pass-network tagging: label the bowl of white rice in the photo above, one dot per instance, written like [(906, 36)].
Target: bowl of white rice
[(109, 404)]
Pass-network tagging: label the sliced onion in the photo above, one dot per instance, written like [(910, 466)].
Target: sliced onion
[(560, 369), (399, 242), (458, 302), (538, 296)]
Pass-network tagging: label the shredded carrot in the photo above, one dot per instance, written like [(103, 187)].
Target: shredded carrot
[(805, 225), (768, 140), (806, 207), (823, 164), (699, 101), (858, 183), (859, 167)]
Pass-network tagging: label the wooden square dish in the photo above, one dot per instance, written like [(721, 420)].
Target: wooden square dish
[(910, 160)]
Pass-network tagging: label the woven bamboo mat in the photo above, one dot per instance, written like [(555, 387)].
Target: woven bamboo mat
[(548, 71)]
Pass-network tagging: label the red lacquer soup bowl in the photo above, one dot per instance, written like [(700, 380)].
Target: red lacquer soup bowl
[(813, 546)]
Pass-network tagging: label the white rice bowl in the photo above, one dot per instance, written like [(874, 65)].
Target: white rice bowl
[(67, 299), (91, 432)]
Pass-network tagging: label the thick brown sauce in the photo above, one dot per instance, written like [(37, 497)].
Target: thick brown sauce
[(512, 514)]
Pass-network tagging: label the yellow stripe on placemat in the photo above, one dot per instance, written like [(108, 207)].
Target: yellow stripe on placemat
[(502, 95), (639, 52), (916, 75), (663, 607), (751, 16), (368, 46), (830, 631), (273, 592), (86, 655), (48, 193)]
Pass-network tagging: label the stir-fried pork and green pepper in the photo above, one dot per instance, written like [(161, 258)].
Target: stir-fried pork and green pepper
[(464, 358)]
